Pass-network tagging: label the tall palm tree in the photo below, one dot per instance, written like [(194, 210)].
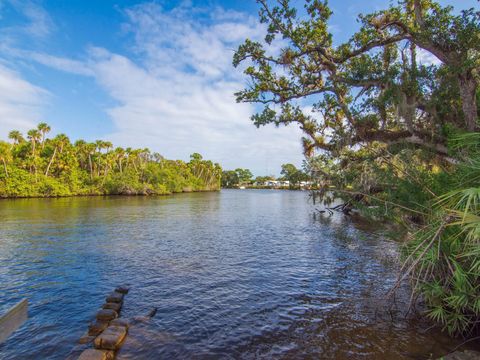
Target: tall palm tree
[(90, 148), (34, 136), (62, 140), (16, 136), (107, 145), (43, 128), (80, 150), (120, 155), (100, 144), (59, 143)]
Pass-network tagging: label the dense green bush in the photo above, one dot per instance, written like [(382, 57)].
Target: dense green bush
[(43, 167)]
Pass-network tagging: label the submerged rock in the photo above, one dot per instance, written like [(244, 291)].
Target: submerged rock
[(142, 337), (122, 289), (95, 354), (111, 338)]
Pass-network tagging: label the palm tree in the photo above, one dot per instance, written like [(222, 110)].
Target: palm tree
[(34, 136), (100, 144), (107, 145), (120, 155), (43, 128), (59, 143), (80, 150), (5, 155), (16, 136), (90, 148), (62, 140)]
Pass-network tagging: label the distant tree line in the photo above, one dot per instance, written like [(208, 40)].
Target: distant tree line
[(244, 177), (36, 165)]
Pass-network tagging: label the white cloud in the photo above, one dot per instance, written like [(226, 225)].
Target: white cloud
[(59, 63), (39, 24), (21, 102), (179, 98), (182, 114), (175, 95)]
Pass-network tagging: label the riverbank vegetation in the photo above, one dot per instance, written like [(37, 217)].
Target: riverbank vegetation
[(291, 178), (37, 166), (392, 124), (236, 178)]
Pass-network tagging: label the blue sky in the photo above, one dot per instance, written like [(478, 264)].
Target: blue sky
[(146, 74)]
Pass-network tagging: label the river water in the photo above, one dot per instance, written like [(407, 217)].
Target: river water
[(239, 274)]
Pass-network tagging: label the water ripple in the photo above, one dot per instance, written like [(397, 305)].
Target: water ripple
[(234, 275)]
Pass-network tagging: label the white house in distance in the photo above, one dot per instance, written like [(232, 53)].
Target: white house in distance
[(280, 184), (273, 183)]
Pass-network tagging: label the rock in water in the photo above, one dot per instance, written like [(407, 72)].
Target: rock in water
[(115, 297), (111, 338), (114, 306), (106, 315), (97, 327), (122, 289), (120, 322), (94, 354), (87, 338)]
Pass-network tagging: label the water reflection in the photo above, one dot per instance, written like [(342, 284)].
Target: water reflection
[(236, 274)]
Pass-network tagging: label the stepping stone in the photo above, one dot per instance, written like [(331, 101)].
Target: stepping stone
[(122, 289), (115, 297), (106, 315), (97, 327), (94, 354), (111, 338), (87, 338), (114, 306), (120, 322)]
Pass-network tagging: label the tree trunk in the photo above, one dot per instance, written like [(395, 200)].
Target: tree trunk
[(468, 93), (90, 166), (51, 161), (5, 167), (105, 175)]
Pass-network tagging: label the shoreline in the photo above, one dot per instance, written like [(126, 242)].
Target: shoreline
[(102, 195)]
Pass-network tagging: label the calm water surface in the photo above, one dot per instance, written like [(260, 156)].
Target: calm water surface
[(235, 275)]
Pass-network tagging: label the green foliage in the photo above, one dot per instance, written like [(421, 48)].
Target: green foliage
[(293, 175), (234, 178), (373, 87), (21, 183), (230, 179), (394, 137), (56, 167), (244, 175), (262, 179)]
